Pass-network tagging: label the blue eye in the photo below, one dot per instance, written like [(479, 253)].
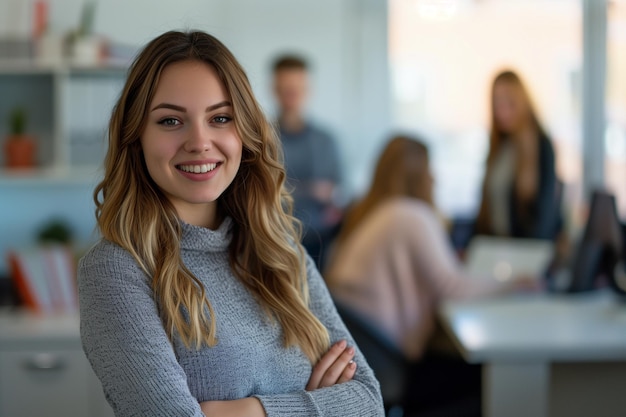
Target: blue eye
[(169, 121), (222, 119)]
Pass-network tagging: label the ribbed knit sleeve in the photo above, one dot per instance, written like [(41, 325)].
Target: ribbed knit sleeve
[(124, 339), (359, 397)]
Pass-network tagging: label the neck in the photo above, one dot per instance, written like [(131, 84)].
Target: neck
[(202, 215), (525, 132), (291, 121)]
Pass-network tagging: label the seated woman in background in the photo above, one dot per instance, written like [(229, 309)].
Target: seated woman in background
[(393, 262), (520, 188), (199, 300)]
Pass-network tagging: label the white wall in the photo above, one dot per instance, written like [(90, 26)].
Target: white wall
[(442, 74), (345, 40)]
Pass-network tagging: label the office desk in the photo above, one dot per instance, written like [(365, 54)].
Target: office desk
[(43, 370), (545, 355)]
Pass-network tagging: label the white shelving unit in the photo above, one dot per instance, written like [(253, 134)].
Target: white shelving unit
[(68, 108)]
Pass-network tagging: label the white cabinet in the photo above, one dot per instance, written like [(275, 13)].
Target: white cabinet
[(43, 370), (67, 110)]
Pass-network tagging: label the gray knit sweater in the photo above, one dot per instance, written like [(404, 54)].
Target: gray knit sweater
[(143, 374)]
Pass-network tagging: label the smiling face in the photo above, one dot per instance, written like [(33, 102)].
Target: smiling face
[(190, 143)]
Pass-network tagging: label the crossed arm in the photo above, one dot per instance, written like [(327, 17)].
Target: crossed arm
[(335, 367)]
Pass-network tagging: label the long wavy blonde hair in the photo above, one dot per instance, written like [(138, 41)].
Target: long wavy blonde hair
[(264, 253)]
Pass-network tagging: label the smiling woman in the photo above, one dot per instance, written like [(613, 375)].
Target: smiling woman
[(199, 300)]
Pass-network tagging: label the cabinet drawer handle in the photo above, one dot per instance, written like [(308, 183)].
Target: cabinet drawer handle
[(44, 362)]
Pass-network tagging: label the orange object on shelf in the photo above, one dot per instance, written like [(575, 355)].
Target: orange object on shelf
[(20, 152), (40, 23)]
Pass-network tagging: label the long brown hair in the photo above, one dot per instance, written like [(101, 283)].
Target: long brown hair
[(497, 137), (401, 171), (134, 213)]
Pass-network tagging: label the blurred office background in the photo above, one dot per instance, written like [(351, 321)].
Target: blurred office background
[(403, 65), (346, 42), (442, 63)]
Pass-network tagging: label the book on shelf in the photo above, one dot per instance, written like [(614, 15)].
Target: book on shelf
[(45, 278)]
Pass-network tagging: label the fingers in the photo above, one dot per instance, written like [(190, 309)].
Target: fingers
[(348, 372), (334, 372), (526, 283), (324, 364), (335, 367)]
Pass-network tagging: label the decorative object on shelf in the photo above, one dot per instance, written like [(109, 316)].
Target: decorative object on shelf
[(8, 293), (86, 48), (40, 18), (15, 39), (50, 47), (44, 274), (44, 277), (19, 148), (55, 231), (50, 50)]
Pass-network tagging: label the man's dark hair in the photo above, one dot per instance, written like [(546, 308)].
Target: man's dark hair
[(290, 62)]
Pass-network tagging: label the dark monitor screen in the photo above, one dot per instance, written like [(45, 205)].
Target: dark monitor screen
[(601, 246), (603, 223)]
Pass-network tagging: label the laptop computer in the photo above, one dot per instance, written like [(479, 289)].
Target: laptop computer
[(504, 258)]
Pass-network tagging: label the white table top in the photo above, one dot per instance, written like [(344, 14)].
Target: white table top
[(549, 328)]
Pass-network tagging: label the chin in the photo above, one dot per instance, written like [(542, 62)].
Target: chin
[(509, 128), (199, 198), (203, 199)]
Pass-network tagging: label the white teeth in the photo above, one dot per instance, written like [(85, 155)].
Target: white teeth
[(197, 169)]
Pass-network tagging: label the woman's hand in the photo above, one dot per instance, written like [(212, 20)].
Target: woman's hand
[(523, 284), (245, 407), (335, 367)]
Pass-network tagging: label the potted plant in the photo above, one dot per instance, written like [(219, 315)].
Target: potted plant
[(19, 148)]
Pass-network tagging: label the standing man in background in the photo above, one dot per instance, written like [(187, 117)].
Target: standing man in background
[(311, 157)]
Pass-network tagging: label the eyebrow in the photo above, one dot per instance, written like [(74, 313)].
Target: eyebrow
[(182, 109)]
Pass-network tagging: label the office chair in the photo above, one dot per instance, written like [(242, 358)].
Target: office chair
[(387, 361)]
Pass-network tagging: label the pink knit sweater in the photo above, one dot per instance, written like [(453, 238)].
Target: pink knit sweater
[(395, 269)]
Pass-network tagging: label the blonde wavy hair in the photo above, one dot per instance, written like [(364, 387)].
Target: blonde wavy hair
[(134, 213)]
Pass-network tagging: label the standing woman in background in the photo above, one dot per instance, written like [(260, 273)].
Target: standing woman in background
[(199, 300), (520, 189)]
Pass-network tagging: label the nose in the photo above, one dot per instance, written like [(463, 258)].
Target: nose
[(198, 139)]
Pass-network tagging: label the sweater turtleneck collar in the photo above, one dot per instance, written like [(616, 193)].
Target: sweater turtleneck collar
[(203, 239)]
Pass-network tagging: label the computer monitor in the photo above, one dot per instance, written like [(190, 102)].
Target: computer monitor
[(619, 279), (600, 250)]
